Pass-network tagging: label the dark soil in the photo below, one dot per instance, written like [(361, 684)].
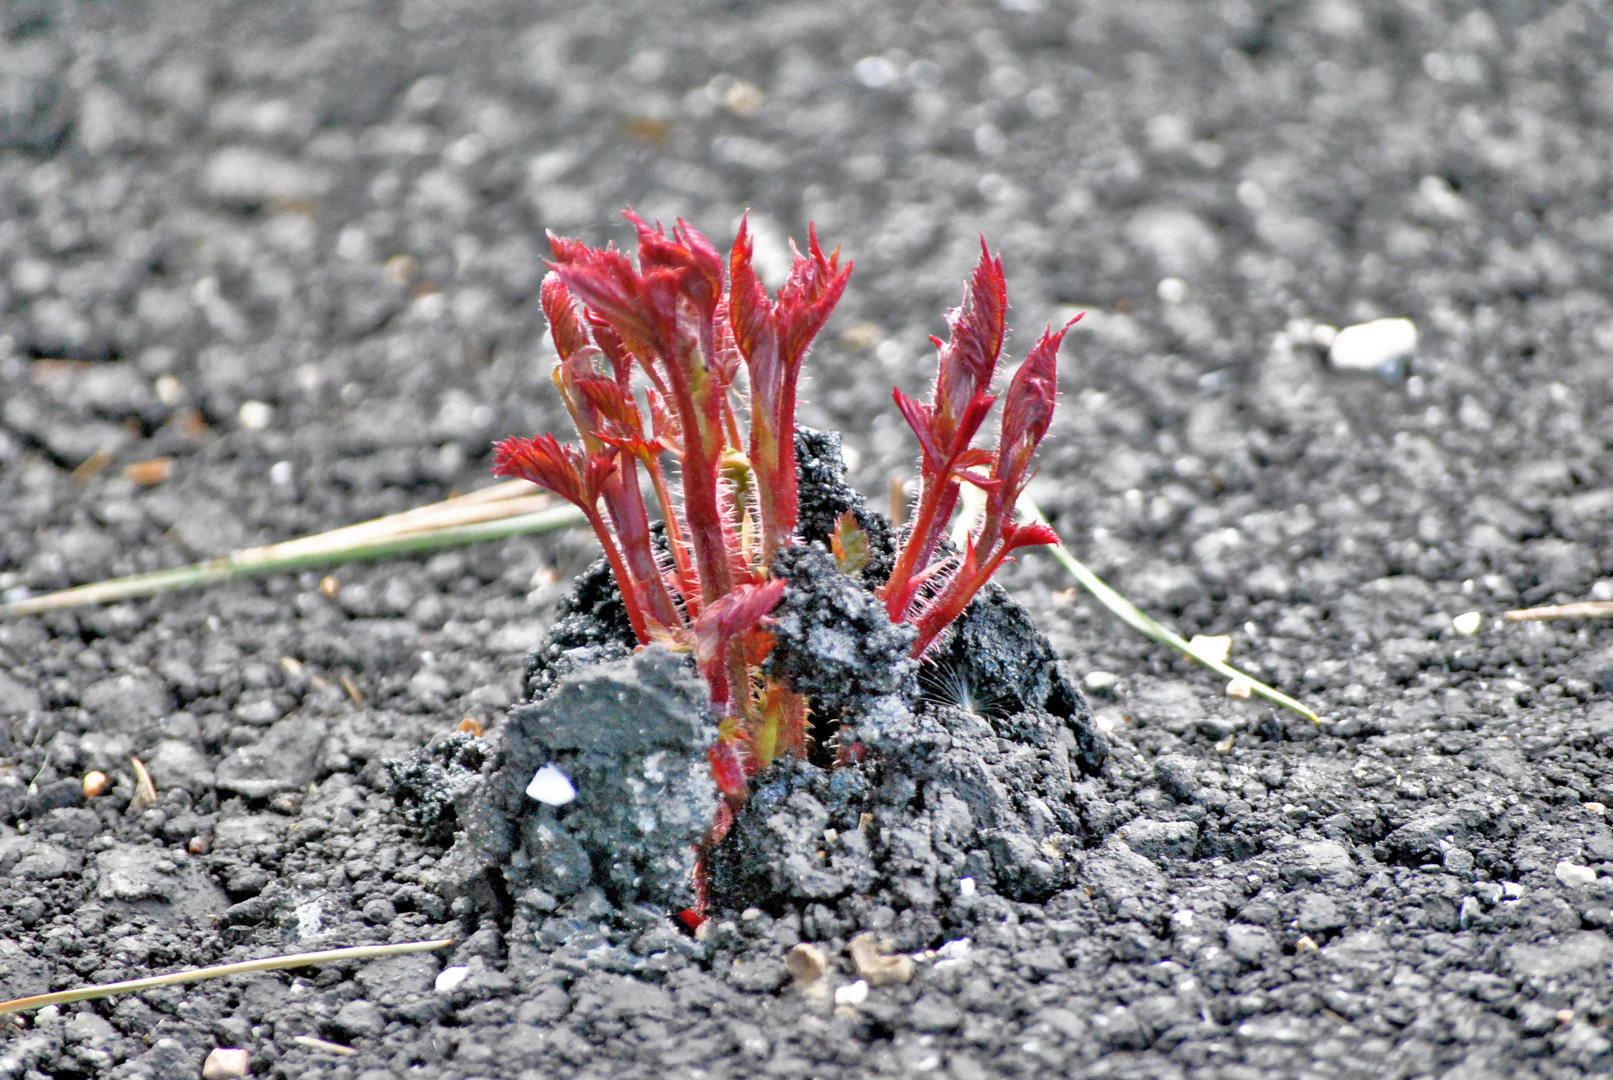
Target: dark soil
[(295, 248)]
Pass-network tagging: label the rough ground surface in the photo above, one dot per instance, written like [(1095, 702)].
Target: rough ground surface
[(204, 207)]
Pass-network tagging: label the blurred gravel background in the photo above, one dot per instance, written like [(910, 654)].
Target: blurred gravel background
[(294, 249)]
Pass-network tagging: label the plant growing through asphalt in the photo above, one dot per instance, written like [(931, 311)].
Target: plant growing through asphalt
[(680, 328)]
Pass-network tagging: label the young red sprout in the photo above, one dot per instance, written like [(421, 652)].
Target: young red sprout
[(688, 323), (931, 594)]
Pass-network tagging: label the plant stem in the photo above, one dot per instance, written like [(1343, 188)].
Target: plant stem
[(273, 963), (1134, 617)]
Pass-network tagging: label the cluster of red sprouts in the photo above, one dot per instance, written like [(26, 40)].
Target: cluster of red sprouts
[(720, 361)]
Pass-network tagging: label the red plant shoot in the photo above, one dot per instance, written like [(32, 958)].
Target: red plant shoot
[(688, 322)]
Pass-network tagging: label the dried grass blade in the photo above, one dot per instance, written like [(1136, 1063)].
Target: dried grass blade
[(331, 549), (1144, 624), (1587, 609), (272, 963)]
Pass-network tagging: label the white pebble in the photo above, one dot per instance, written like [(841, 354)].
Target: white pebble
[(255, 415), (449, 978), (1100, 682), (966, 886), (551, 787), (281, 474), (956, 949), (226, 1063), (1593, 807), (1381, 345), (1573, 874), (852, 993), (1241, 687), (1468, 623)]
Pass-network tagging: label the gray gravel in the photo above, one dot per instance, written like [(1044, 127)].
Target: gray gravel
[(294, 248)]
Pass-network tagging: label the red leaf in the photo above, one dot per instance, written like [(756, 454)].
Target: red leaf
[(728, 770), (737, 613), (919, 417), (808, 297), (569, 332), (969, 359), (749, 309), (543, 461)]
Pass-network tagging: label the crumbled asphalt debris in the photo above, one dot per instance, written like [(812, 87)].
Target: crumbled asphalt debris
[(824, 495), (590, 626), (834, 642), (427, 785)]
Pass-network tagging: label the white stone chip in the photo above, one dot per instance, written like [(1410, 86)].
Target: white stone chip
[(1468, 623), (1216, 647), (449, 978), (956, 949), (551, 787), (226, 1063), (255, 415), (1380, 345), (966, 886), (1573, 874), (852, 993), (1241, 687)]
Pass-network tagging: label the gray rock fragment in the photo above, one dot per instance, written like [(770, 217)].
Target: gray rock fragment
[(283, 760)]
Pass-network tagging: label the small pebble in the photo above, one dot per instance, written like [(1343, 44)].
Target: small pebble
[(1468, 623), (956, 949), (255, 415), (1594, 807), (966, 886), (95, 783), (806, 963), (1241, 687), (1101, 682), (551, 787), (225, 1064), (1382, 345), (449, 978), (875, 965), (852, 993), (1305, 944), (1572, 874)]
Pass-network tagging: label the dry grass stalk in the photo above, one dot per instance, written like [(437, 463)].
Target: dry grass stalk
[(508, 509), (1587, 609), (273, 963)]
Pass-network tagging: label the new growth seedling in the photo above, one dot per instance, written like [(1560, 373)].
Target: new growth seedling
[(680, 374)]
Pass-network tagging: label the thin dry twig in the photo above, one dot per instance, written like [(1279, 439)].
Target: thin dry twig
[(272, 963), (1586, 609)]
